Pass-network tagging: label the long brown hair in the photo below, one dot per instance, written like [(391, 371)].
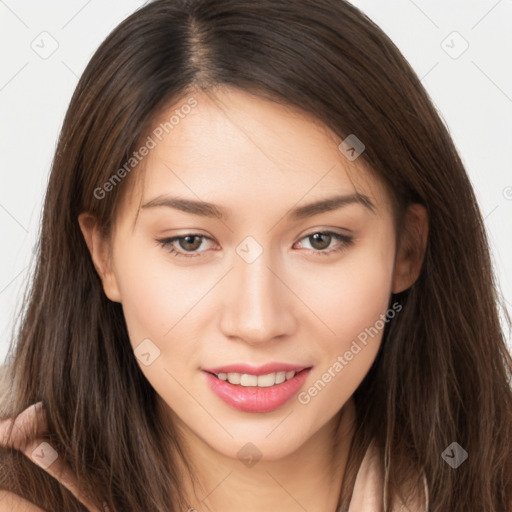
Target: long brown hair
[(442, 373)]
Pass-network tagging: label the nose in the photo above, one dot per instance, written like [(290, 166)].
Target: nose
[(258, 306)]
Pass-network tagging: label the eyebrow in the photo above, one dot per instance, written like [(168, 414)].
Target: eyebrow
[(205, 209)]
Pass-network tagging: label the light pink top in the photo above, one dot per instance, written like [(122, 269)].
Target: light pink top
[(368, 494)]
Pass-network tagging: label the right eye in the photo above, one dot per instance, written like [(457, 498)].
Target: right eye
[(188, 243)]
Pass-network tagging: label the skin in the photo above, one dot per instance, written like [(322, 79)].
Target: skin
[(257, 160)]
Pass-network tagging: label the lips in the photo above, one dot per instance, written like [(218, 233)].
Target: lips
[(256, 388)]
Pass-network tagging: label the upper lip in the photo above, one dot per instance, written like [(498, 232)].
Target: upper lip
[(257, 370)]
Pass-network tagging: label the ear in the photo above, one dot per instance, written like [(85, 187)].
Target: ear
[(100, 253), (411, 248)]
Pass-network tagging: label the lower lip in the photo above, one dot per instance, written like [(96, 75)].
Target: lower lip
[(254, 398)]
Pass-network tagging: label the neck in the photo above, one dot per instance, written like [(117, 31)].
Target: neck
[(309, 479)]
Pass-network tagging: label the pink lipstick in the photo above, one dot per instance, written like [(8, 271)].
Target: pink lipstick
[(256, 388)]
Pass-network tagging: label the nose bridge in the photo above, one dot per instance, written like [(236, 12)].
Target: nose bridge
[(259, 307)]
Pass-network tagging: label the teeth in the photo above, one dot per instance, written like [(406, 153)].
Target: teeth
[(248, 380), (234, 378), (280, 377), (265, 381), (262, 381)]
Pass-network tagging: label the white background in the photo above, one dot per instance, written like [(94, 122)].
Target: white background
[(472, 92)]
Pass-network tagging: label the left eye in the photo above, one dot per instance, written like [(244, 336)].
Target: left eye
[(320, 241)]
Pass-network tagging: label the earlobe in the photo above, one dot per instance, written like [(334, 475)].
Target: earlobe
[(412, 247), (99, 250)]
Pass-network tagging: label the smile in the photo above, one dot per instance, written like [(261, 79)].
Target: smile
[(255, 391), (262, 381)]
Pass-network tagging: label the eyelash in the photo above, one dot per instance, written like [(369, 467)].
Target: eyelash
[(346, 242)]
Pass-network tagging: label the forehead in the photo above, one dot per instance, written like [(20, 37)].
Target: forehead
[(238, 149)]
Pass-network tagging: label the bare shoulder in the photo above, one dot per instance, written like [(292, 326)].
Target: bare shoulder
[(10, 502)]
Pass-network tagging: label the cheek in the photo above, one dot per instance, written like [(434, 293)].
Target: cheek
[(147, 304), (350, 296), (156, 300), (365, 295), (355, 305), (156, 296)]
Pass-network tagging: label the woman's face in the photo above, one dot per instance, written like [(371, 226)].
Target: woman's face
[(253, 282)]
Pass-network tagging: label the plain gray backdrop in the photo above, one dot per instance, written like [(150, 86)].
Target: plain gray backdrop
[(461, 50)]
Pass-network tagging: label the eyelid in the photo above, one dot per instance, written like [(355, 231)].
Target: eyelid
[(326, 229)]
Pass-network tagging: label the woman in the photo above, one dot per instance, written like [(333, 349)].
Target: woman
[(263, 281)]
